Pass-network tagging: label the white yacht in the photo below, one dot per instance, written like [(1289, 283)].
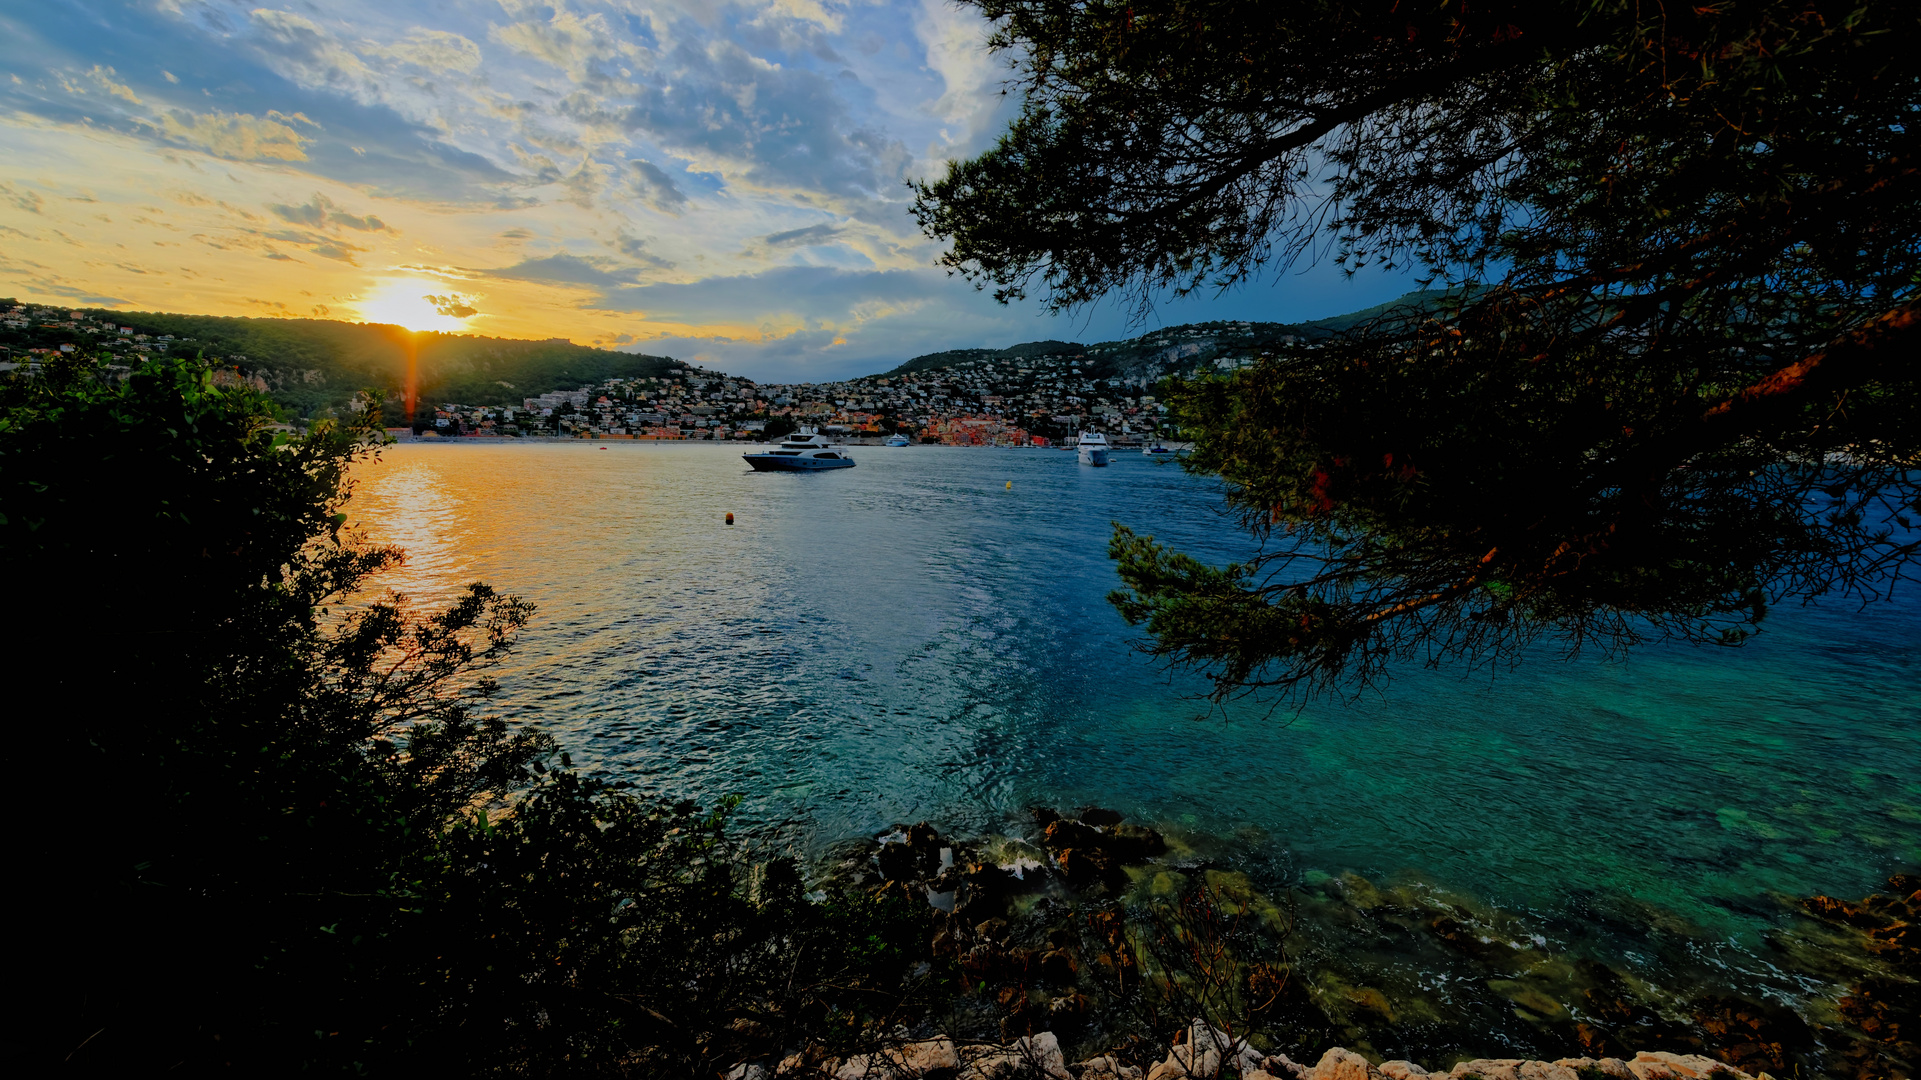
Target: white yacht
[(898, 440), (1093, 448), (803, 451)]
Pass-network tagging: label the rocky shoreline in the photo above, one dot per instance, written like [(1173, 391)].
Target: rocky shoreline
[(1090, 930), (1204, 1052)]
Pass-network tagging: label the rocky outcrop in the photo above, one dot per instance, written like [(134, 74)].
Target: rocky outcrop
[(1205, 1052)]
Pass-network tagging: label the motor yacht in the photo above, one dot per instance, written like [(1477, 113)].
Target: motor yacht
[(1093, 448), (898, 440), (1155, 449), (803, 451)]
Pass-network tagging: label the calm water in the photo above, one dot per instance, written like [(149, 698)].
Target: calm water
[(911, 639)]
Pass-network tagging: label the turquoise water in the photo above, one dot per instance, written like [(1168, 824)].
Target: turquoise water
[(911, 639)]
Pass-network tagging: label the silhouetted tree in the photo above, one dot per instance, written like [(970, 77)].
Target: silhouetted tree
[(1667, 377)]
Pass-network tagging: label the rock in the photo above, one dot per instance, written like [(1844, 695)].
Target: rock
[(1086, 867), (1057, 967), (982, 961), (902, 862), (1750, 1036), (1069, 834), (1094, 815), (1827, 907), (1489, 1069), (863, 1067), (1120, 843), (1135, 843), (1401, 1070), (1662, 1065), (1607, 1066), (1546, 1070), (1285, 1068), (1108, 1067), (1024, 1016), (996, 1064), (748, 1070), (809, 1062), (922, 837), (1342, 1064), (994, 930), (1033, 1055), (1167, 1070), (919, 1059), (1204, 1052)]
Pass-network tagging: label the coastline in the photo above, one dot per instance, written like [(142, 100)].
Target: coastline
[(1089, 929)]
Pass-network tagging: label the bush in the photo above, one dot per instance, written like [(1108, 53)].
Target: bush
[(273, 830)]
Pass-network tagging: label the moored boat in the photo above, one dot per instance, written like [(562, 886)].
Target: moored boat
[(803, 451), (898, 440), (1093, 448), (1154, 449)]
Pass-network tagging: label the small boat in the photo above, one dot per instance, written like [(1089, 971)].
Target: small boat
[(803, 451), (898, 440), (1155, 448), (1093, 448)]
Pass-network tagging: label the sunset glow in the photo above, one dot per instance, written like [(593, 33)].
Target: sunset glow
[(726, 184), (417, 304)]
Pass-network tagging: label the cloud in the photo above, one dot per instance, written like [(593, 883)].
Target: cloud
[(237, 136), (565, 269), (323, 212), (810, 294), (579, 47), (655, 188), (636, 249), (29, 201), (452, 306), (810, 236), (434, 50), (105, 77), (956, 49)]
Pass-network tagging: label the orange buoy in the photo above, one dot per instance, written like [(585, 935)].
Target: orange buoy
[(1010, 485), (730, 517)]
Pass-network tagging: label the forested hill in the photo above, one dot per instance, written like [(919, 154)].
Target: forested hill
[(951, 357), (1182, 347), (314, 364)]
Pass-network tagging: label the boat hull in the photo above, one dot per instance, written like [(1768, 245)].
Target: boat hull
[(1090, 456), (770, 463)]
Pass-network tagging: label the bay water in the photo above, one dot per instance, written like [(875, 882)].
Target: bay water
[(915, 639)]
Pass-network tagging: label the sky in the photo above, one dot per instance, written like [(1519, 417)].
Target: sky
[(724, 182)]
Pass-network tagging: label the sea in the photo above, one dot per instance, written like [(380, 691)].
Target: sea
[(927, 637)]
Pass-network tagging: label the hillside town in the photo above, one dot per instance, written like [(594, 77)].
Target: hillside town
[(1038, 394), (1032, 401), (38, 333)]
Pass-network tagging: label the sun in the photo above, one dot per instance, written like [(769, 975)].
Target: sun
[(416, 303)]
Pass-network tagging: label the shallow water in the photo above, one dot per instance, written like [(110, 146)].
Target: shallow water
[(912, 639)]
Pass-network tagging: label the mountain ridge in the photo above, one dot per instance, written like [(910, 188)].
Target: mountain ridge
[(1174, 346)]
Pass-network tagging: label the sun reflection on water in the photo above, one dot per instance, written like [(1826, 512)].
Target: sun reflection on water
[(412, 508)]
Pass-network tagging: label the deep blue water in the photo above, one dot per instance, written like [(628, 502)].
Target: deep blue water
[(912, 639)]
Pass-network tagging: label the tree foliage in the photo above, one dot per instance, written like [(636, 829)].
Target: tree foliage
[(273, 827), (1676, 382)]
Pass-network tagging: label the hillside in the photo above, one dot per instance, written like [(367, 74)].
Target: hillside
[(1155, 354), (950, 357), (313, 365)]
